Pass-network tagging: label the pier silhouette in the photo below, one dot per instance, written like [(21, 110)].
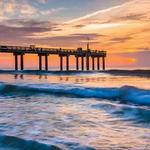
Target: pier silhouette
[(79, 53)]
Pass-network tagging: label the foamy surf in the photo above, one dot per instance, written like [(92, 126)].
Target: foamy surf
[(16, 143), (124, 94)]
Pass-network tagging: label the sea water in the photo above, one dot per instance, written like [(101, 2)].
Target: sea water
[(74, 111)]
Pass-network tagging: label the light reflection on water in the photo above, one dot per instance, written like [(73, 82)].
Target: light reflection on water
[(92, 80), (98, 123)]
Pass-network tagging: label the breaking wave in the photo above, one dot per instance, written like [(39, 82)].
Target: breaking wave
[(11, 142), (16, 143), (125, 94)]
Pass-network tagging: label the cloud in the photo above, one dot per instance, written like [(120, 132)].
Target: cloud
[(114, 18), (126, 25), (121, 39), (28, 10), (50, 11), (70, 40), (108, 13), (18, 30), (28, 23), (9, 8), (77, 38), (14, 9), (17, 9), (128, 11), (42, 1)]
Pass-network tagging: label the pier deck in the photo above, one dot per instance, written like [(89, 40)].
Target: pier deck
[(45, 52)]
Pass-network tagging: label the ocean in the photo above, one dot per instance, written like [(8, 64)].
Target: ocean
[(75, 110)]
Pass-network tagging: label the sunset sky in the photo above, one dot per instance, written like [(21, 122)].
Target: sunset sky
[(121, 27)]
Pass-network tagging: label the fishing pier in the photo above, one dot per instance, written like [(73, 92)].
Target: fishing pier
[(85, 55)]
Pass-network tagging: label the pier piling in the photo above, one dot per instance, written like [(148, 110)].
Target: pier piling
[(67, 63), (98, 63), (16, 61), (61, 63), (21, 61), (93, 63), (103, 59), (40, 62), (87, 63), (77, 63), (82, 63), (46, 62)]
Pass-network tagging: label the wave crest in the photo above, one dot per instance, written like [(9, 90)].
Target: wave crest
[(18, 143), (124, 94)]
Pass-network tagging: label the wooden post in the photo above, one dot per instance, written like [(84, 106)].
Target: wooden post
[(98, 63), (61, 63), (16, 61), (77, 63), (103, 58), (93, 63), (87, 62), (21, 62), (67, 63), (46, 62), (40, 62), (82, 62)]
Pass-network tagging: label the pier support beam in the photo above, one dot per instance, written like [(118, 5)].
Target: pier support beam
[(82, 63), (77, 63), (103, 60), (93, 63), (98, 63), (61, 63), (16, 55), (46, 62), (40, 62), (87, 63), (21, 62), (67, 63), (16, 61)]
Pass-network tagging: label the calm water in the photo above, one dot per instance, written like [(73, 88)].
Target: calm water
[(74, 111)]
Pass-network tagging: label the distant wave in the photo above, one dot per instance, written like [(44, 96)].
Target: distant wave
[(11, 142), (140, 72), (125, 94), (43, 72)]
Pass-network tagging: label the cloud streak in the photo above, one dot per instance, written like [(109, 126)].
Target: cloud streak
[(96, 13)]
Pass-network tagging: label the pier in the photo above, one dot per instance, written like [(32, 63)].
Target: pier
[(97, 57)]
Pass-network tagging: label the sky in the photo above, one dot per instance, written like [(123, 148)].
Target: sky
[(121, 27)]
